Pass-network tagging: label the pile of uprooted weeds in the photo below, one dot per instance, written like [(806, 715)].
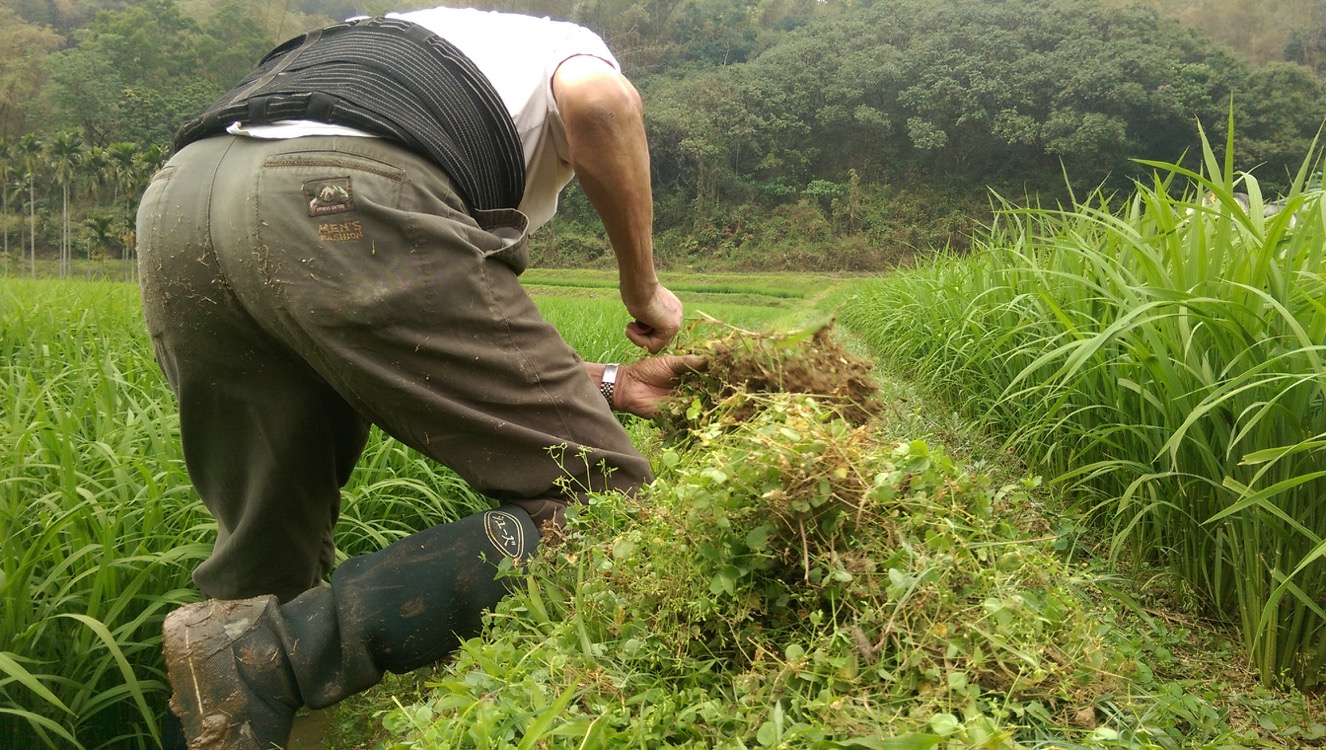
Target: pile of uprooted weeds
[(746, 366), (789, 581)]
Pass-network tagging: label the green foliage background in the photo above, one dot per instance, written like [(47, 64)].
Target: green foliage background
[(1162, 360), (786, 134)]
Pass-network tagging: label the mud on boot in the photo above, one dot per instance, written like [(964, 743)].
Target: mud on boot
[(233, 688), (240, 669)]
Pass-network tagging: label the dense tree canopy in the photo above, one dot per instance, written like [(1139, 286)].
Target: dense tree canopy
[(994, 93), (754, 106)]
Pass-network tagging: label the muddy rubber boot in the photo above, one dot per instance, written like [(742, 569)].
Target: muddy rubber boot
[(228, 695), (241, 669)]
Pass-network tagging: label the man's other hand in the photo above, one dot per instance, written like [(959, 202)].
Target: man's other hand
[(642, 385), (657, 320)]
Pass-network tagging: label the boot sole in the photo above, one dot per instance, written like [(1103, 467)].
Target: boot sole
[(210, 697)]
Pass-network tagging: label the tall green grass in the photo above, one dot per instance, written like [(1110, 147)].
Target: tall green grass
[(1164, 357), (744, 289), (101, 527)]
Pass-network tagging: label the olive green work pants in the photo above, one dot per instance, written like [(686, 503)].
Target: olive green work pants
[(297, 291)]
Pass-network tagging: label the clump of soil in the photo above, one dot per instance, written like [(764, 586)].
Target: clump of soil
[(742, 365)]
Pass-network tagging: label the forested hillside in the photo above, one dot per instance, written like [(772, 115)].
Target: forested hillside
[(785, 133), (1260, 30)]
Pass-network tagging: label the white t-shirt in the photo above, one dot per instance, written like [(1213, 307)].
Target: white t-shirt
[(519, 55)]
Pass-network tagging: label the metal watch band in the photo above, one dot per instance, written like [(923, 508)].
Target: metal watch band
[(609, 382)]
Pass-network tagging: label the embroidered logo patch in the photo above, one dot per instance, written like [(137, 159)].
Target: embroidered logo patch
[(505, 533), (340, 231), (328, 196)]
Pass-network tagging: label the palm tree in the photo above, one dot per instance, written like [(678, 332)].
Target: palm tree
[(30, 152), (96, 166), (14, 186), (6, 153), (23, 183), (128, 236), (65, 152), (100, 234), (122, 167), (149, 159)]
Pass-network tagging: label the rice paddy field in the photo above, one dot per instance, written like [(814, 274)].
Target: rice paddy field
[(1088, 514), (1165, 362), (100, 527)]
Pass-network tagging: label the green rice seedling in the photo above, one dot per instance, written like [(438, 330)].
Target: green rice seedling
[(774, 285), (594, 327), (102, 529), (1165, 358), (101, 525), (678, 288), (94, 516), (395, 492)]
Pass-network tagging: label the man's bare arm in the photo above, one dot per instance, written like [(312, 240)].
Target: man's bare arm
[(605, 130)]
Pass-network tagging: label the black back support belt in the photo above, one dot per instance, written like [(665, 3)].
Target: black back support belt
[(394, 79)]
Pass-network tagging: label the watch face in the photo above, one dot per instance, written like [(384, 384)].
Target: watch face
[(609, 382)]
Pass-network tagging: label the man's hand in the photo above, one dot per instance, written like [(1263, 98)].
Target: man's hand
[(642, 385), (656, 321)]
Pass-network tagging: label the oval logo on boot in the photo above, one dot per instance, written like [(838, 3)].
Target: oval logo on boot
[(505, 533)]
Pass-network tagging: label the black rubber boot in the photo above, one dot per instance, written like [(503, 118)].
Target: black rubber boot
[(241, 669), (229, 691)]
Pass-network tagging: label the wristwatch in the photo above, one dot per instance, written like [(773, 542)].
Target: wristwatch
[(609, 382)]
